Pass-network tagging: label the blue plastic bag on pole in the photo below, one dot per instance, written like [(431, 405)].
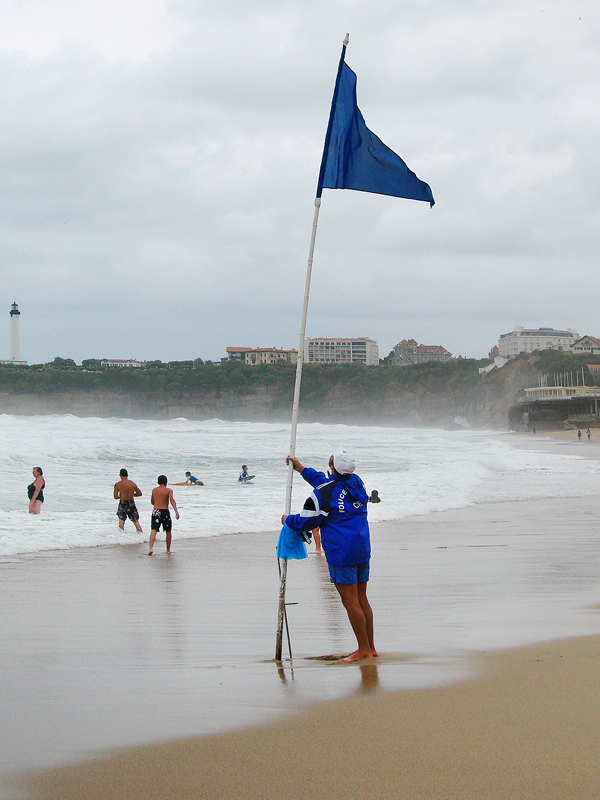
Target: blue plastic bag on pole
[(290, 544)]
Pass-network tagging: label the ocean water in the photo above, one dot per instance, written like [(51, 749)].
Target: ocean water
[(416, 471)]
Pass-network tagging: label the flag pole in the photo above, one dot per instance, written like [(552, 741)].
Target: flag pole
[(281, 615)]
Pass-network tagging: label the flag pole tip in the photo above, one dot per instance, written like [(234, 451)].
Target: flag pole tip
[(346, 40)]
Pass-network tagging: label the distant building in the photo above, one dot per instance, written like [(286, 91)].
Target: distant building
[(236, 353), (15, 338), (270, 355), (260, 355), (527, 340), (587, 344), (121, 362), (408, 351), (560, 392), (341, 351), (497, 363)]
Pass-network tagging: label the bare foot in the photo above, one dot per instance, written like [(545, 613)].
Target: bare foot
[(358, 656), (150, 553), (374, 654)]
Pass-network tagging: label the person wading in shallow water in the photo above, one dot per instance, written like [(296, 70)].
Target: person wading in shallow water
[(338, 505), (160, 499), (124, 491), (35, 491)]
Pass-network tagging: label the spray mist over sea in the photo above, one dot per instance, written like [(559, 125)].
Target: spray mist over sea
[(415, 471)]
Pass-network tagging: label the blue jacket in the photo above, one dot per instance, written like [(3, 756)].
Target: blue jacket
[(337, 505)]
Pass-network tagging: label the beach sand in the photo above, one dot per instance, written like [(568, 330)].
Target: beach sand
[(527, 728), (123, 676)]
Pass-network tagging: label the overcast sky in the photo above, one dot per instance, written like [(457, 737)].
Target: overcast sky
[(159, 161)]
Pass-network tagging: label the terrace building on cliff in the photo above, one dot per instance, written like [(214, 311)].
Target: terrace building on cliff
[(260, 355), (409, 352), (587, 344), (563, 404), (121, 362), (341, 351), (528, 340), (15, 338)]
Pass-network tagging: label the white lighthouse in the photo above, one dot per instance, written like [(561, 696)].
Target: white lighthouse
[(15, 339)]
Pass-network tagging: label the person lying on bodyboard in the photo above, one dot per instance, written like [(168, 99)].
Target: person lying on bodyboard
[(190, 480)]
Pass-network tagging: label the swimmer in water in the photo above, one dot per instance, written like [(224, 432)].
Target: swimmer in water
[(35, 491), (243, 473), (124, 491)]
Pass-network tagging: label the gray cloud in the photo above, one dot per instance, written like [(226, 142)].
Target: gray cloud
[(157, 200)]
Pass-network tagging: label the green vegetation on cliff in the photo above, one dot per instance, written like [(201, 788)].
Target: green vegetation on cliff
[(556, 362), (318, 380), (434, 393)]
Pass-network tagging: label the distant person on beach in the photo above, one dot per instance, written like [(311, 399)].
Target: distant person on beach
[(374, 497), (579, 435), (160, 499), (35, 491), (124, 491), (589, 434), (243, 473), (338, 504)]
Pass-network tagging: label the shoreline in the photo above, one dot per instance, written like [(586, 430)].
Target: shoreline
[(457, 594), (525, 727)]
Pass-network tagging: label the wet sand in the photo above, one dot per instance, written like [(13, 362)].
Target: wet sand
[(105, 648), (526, 728)]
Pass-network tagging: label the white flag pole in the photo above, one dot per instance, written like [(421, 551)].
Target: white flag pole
[(281, 616)]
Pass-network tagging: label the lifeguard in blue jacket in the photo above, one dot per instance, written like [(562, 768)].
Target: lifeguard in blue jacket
[(338, 506)]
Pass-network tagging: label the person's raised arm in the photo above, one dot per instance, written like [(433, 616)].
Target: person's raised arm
[(297, 465)]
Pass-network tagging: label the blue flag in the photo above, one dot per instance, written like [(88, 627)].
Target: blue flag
[(354, 158)]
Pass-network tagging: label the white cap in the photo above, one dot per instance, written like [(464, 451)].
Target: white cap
[(343, 462)]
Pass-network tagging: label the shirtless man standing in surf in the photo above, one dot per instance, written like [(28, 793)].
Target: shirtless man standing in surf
[(125, 490), (160, 499)]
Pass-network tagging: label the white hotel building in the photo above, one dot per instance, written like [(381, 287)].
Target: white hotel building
[(341, 351), (527, 340)]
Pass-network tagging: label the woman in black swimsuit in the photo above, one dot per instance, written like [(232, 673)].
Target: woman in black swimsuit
[(35, 491)]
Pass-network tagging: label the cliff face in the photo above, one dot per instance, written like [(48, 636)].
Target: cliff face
[(256, 405), (503, 387), (481, 403)]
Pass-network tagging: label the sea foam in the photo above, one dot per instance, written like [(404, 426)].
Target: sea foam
[(415, 471)]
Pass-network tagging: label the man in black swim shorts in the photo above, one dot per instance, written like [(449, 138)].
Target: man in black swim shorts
[(161, 516), (160, 499), (125, 490)]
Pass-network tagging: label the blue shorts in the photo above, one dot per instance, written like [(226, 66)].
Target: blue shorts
[(356, 573)]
